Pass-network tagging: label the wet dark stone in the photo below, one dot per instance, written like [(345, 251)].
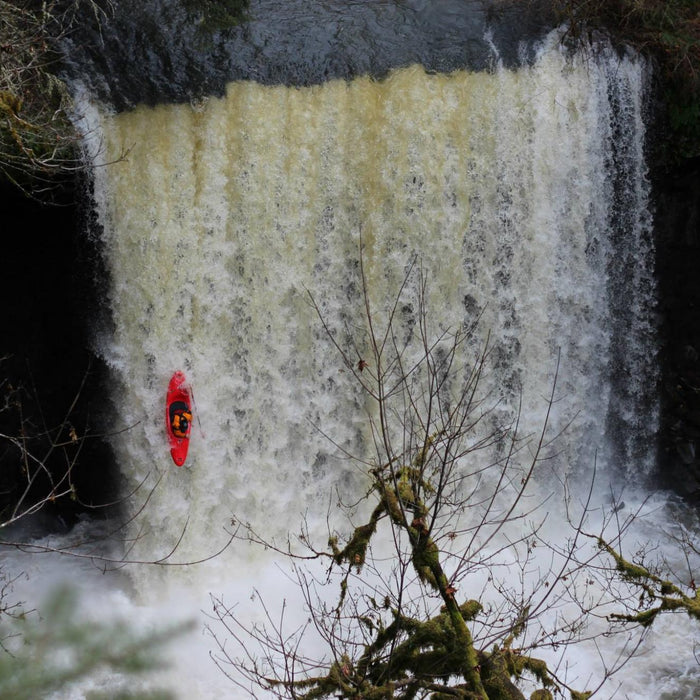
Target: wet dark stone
[(678, 273), (48, 279), (151, 51)]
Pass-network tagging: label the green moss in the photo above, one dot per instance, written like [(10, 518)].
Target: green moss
[(216, 15), (537, 668), (404, 488), (496, 676), (628, 570), (645, 618), (393, 506), (470, 609), (631, 571), (355, 551)]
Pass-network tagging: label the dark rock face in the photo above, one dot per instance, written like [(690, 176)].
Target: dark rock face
[(678, 270), (48, 269), (151, 51)]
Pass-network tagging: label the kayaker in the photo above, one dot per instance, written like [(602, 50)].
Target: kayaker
[(181, 423)]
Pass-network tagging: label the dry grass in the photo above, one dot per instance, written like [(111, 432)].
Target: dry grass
[(37, 138)]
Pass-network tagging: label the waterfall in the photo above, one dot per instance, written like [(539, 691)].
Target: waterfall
[(519, 192), (218, 218)]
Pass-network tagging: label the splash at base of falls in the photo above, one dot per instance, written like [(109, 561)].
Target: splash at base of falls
[(664, 667)]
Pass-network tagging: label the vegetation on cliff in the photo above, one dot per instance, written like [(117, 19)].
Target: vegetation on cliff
[(37, 138), (668, 31), (39, 142)]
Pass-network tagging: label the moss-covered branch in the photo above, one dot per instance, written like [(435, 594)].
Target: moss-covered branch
[(409, 655), (658, 594), (422, 639)]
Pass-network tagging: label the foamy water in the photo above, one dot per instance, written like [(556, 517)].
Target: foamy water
[(521, 195)]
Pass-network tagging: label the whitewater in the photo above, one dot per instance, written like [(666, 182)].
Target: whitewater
[(225, 224)]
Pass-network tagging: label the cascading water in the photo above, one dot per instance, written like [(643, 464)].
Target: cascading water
[(221, 216), (519, 192)]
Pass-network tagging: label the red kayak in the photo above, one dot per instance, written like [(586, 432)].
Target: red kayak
[(178, 417)]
